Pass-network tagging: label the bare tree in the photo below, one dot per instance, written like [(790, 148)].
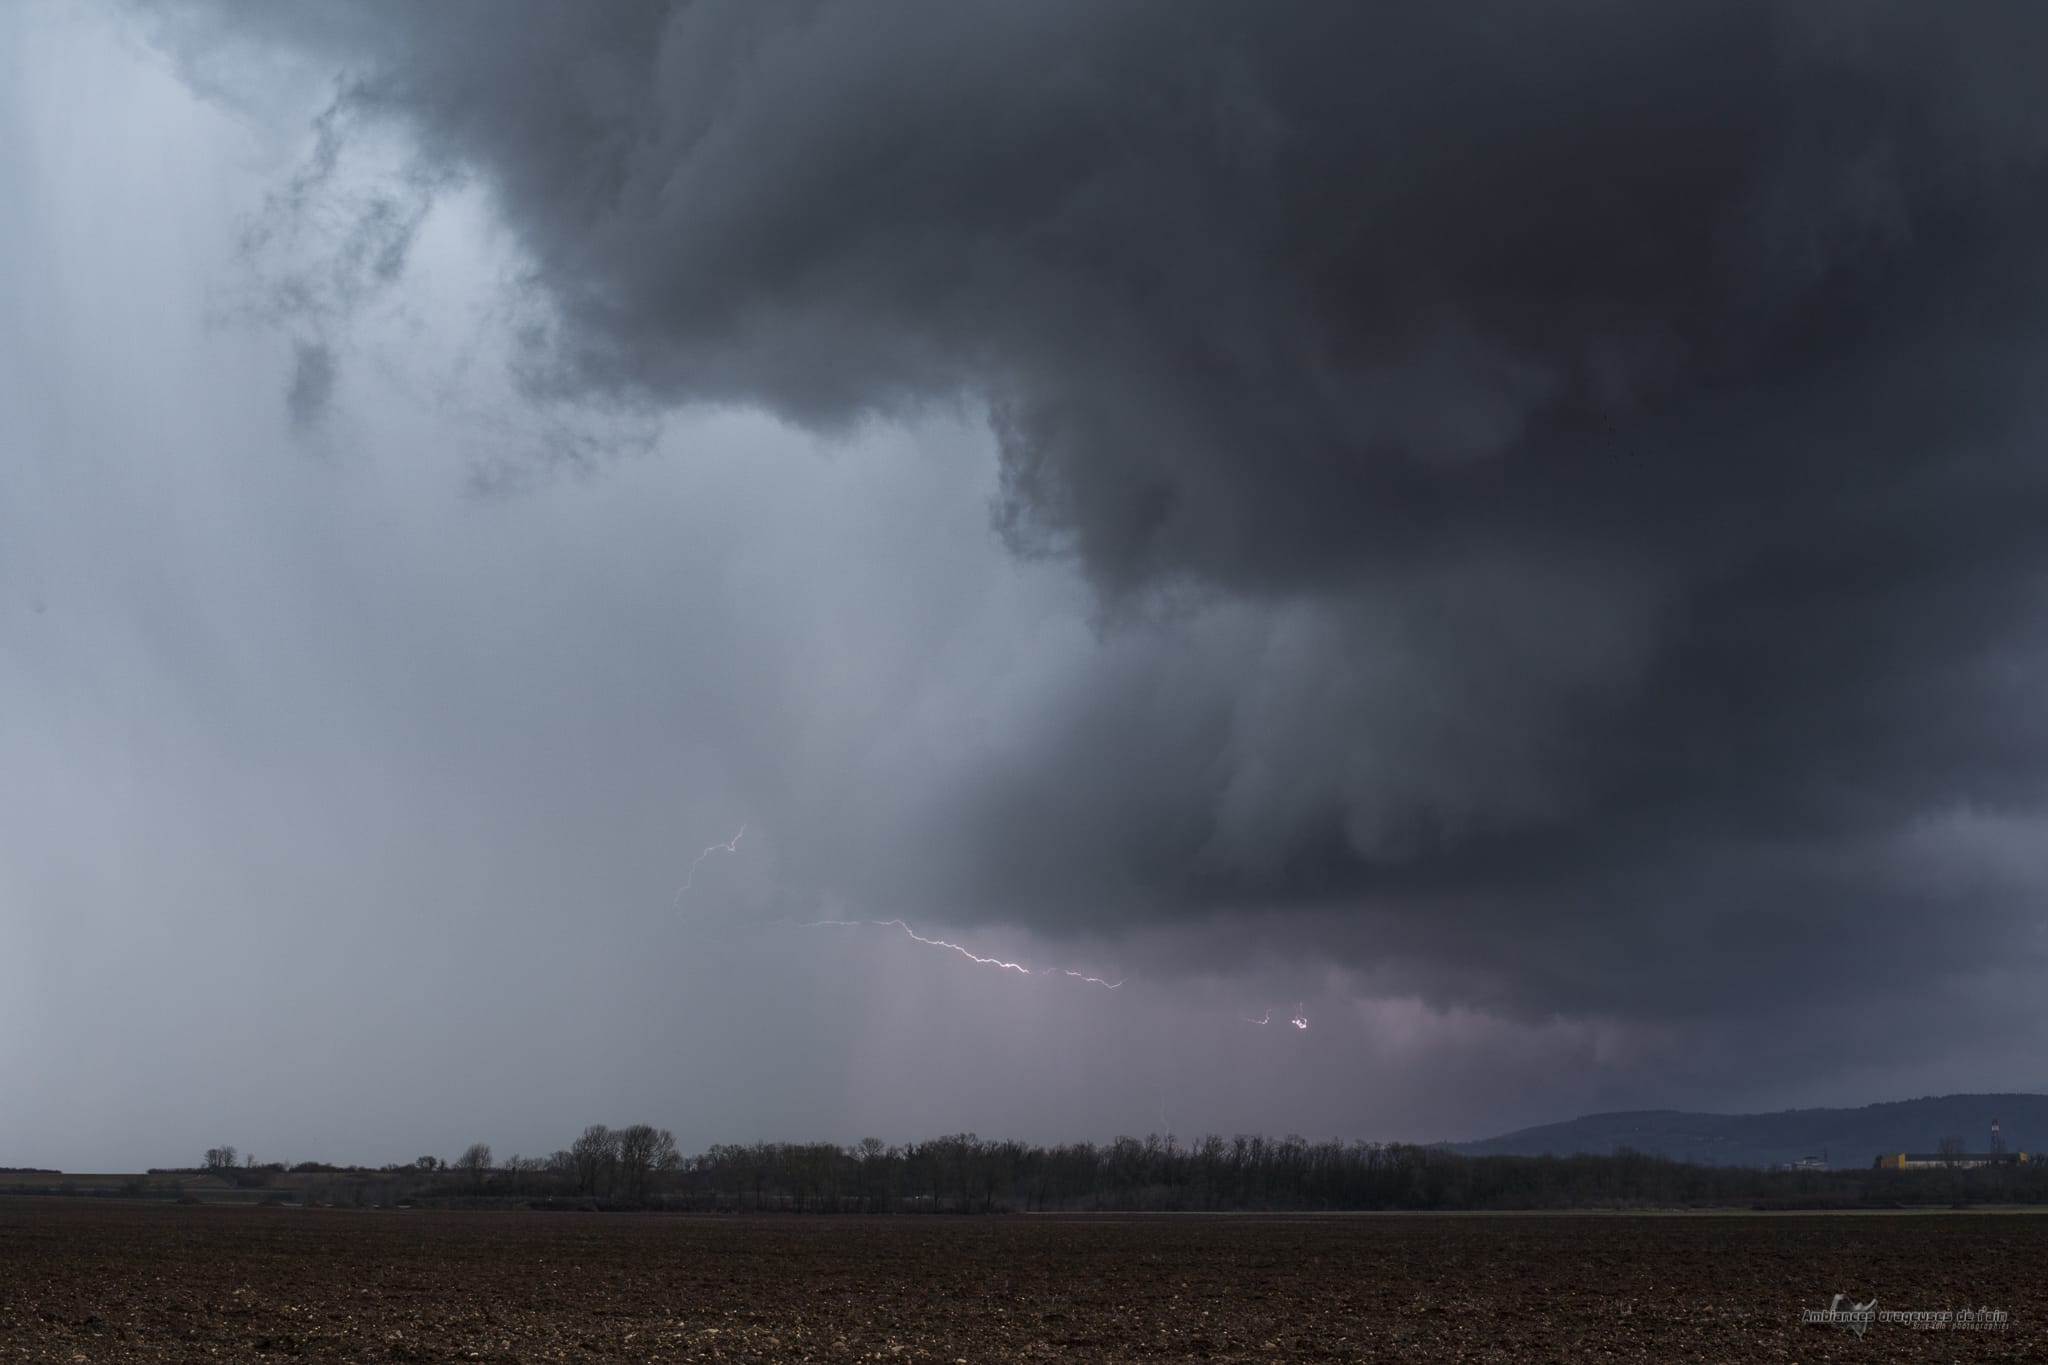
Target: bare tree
[(1949, 1149), (644, 1152), (867, 1169), (595, 1154), (475, 1162), (220, 1159), (523, 1173)]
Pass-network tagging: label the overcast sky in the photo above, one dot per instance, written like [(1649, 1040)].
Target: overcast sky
[(1512, 534)]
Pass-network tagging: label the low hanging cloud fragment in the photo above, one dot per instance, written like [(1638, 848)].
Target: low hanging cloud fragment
[(312, 383)]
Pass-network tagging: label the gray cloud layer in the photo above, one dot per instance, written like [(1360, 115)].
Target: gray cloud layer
[(1561, 482)]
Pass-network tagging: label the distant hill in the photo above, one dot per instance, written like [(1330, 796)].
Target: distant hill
[(1848, 1137)]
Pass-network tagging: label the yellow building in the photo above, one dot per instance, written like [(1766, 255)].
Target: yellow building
[(1920, 1161)]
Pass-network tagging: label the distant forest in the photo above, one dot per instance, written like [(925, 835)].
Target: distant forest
[(639, 1167)]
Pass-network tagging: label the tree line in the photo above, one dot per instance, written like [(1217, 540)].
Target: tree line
[(639, 1166)]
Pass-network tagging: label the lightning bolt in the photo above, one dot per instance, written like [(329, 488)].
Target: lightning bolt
[(731, 845), (1299, 1018), (941, 943), (974, 957), (1090, 980)]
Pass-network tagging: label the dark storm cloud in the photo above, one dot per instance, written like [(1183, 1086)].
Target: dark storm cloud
[(1562, 479)]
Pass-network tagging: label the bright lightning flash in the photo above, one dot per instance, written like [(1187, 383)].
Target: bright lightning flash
[(731, 845), (973, 957), (1299, 1018)]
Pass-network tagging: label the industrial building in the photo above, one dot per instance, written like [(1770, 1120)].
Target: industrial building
[(1913, 1161), (1955, 1159)]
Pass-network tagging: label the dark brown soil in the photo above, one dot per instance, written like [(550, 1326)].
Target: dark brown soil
[(99, 1281)]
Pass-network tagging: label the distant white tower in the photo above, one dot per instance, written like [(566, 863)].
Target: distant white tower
[(1997, 1140)]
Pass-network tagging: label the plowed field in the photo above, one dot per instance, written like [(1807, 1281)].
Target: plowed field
[(98, 1281)]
